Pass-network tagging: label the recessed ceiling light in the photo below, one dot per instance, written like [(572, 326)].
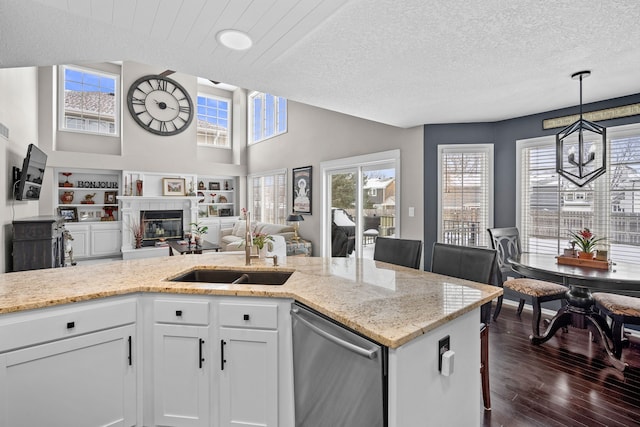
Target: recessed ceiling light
[(234, 39)]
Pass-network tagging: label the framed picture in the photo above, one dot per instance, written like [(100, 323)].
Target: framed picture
[(214, 186), (69, 214), (173, 187), (213, 210), (110, 197), (87, 216), (301, 179)]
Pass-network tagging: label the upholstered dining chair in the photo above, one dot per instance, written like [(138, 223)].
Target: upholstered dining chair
[(506, 241), (478, 265), (622, 309), (398, 251)]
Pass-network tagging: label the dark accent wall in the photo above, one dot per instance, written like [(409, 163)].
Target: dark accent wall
[(503, 135)]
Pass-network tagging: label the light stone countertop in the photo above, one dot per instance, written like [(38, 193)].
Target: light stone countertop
[(389, 304)]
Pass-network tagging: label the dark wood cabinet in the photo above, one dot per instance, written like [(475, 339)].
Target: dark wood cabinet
[(38, 242)]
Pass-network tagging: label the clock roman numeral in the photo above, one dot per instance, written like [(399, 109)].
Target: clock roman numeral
[(163, 126), (162, 85), (184, 109), (137, 101)]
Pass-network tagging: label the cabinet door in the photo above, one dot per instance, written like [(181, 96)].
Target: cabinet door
[(80, 242), (181, 375), (249, 377), (89, 380), (105, 241)]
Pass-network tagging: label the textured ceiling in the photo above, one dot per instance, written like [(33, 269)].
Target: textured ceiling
[(404, 63)]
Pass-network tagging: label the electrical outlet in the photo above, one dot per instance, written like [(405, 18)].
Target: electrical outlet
[(444, 345)]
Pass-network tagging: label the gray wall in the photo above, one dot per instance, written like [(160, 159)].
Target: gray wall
[(503, 135), (316, 135)]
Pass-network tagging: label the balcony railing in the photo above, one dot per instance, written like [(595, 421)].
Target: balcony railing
[(465, 233)]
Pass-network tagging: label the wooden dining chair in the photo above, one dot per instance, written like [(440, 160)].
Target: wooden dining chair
[(622, 309), (398, 251), (478, 265), (506, 241)]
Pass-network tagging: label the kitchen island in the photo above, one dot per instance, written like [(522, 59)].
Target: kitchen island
[(406, 310)]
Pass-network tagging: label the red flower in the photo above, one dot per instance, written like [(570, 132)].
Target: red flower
[(586, 233), (585, 240)]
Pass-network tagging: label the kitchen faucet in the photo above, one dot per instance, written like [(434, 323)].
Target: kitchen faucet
[(248, 241)]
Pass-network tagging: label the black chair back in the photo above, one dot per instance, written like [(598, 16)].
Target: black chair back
[(398, 251), (506, 241), (463, 262)]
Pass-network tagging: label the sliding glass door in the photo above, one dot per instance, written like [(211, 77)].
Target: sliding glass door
[(360, 203)]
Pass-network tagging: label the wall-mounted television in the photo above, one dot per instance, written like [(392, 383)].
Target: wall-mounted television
[(28, 181)]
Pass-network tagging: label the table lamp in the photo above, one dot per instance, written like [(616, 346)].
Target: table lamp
[(295, 219)]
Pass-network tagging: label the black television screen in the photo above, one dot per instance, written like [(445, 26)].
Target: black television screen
[(32, 174)]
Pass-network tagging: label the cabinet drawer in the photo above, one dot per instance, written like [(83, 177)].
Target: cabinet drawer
[(264, 316), (181, 312), (26, 329)]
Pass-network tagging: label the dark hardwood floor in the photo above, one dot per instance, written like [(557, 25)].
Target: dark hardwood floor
[(564, 382)]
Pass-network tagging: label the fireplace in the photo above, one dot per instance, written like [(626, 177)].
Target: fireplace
[(161, 225)]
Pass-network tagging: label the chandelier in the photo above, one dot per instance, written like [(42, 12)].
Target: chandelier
[(581, 148)]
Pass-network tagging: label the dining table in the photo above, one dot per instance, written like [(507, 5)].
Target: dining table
[(579, 311)]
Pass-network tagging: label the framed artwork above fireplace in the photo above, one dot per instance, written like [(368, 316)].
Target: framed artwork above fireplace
[(173, 187)]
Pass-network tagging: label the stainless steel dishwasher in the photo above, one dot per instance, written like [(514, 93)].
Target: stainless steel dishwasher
[(340, 377)]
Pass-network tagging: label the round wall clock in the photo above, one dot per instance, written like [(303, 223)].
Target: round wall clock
[(160, 105)]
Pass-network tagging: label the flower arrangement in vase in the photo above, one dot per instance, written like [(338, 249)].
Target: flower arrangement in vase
[(260, 240), (586, 241), (198, 230)]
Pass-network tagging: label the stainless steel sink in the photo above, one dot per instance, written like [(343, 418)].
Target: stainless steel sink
[(247, 277)]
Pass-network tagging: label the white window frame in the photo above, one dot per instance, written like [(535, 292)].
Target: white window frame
[(229, 102), (276, 195), (613, 133), (250, 113), (356, 164), (468, 148), (61, 94)]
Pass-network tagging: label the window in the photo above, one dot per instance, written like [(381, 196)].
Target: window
[(267, 116), (269, 197), (214, 121), (549, 207), (89, 101), (465, 194)]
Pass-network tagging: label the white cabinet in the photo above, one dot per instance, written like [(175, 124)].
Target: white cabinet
[(249, 368), (106, 239), (64, 367), (87, 199), (181, 371), (100, 239)]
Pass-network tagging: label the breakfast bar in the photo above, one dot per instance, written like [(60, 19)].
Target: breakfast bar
[(406, 311)]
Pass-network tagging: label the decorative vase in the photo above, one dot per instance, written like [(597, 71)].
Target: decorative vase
[(138, 242), (139, 187), (262, 253), (585, 255), (67, 197)]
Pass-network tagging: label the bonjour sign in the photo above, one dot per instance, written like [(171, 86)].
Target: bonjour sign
[(97, 184)]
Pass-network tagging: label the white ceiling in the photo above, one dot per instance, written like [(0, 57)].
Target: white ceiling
[(401, 62)]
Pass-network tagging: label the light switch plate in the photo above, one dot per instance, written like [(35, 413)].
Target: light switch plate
[(444, 345)]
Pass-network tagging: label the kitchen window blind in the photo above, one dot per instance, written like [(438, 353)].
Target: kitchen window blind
[(550, 207), (465, 194)]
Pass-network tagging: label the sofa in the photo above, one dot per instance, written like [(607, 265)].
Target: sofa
[(231, 239)]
